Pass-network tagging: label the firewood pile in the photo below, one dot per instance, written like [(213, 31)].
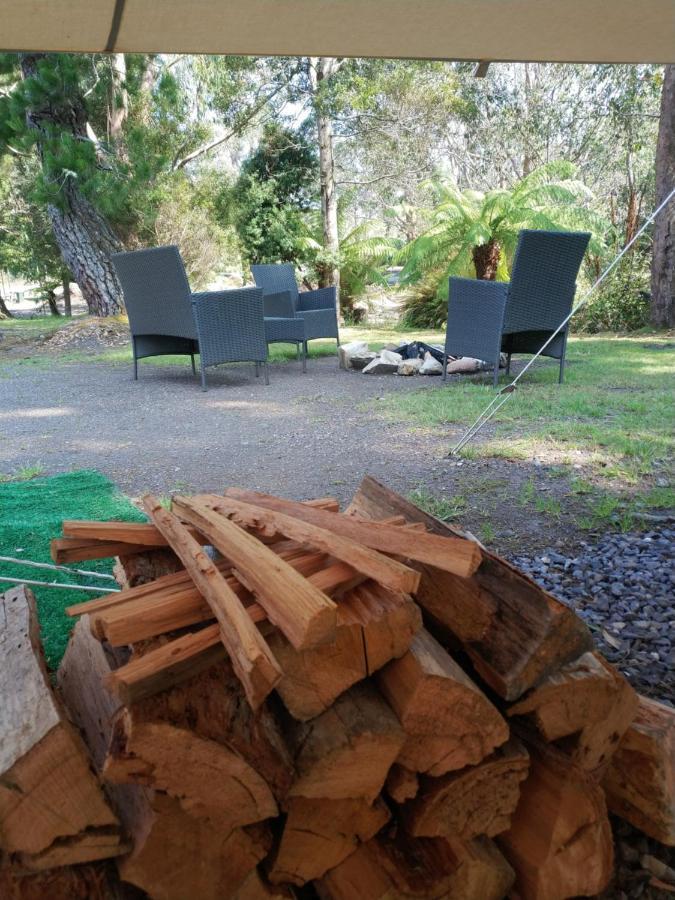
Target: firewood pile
[(285, 700)]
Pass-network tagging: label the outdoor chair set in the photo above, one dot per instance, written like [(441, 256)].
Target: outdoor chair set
[(166, 317), (485, 318)]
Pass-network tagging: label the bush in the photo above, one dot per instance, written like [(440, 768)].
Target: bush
[(622, 301), (423, 307)]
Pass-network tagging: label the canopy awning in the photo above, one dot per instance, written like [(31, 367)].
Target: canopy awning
[(610, 31)]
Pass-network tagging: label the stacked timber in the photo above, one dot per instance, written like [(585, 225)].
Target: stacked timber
[(288, 698)]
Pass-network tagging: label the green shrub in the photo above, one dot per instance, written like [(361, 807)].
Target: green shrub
[(424, 306), (621, 303)]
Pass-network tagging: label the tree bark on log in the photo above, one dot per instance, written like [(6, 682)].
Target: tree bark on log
[(85, 239), (663, 251)]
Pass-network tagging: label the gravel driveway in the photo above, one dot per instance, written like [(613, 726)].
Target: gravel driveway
[(303, 435)]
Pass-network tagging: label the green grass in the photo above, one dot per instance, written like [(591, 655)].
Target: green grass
[(31, 513), (444, 508), (614, 413)]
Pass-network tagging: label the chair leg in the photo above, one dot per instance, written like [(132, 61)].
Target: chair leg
[(133, 349), (304, 359), (561, 373), (257, 370), (192, 360), (306, 348), (267, 372), (495, 380), (203, 371), (445, 367), (508, 363), (297, 350)]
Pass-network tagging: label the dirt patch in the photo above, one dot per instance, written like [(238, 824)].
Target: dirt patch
[(90, 334)]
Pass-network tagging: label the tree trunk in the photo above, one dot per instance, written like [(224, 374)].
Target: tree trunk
[(486, 260), (67, 310), (83, 236), (663, 253), (4, 312), (51, 300), (321, 68), (119, 101)]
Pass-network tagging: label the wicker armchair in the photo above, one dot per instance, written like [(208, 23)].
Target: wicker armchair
[(281, 325), (165, 317), (486, 318), (318, 308)]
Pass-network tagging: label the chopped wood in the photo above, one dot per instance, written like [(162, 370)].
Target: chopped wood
[(402, 784), (525, 633), (640, 781), (560, 841), (588, 699), (251, 657), (52, 809), (452, 554), (144, 533), (82, 882), (374, 625), (477, 800), (303, 613), (319, 834), (388, 572), (431, 694), (346, 752), (200, 742), (394, 867), (67, 550), (177, 855), (255, 887)]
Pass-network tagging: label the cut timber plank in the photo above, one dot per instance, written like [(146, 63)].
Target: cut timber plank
[(394, 867), (67, 550), (304, 614), (177, 855), (373, 626), (180, 658), (478, 800), (52, 809), (388, 572), (560, 841), (432, 695), (251, 657), (524, 634), (587, 698), (452, 553), (319, 834), (346, 751), (201, 742), (640, 782), (143, 533)]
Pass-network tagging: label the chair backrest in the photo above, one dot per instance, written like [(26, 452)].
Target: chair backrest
[(543, 279), (156, 292), (276, 277)]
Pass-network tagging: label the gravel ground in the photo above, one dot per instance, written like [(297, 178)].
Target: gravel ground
[(623, 589)]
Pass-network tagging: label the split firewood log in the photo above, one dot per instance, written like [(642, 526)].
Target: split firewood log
[(52, 809), (402, 784), (396, 867), (449, 722), (347, 751), (514, 632), (318, 834), (560, 841), (587, 699), (640, 781), (478, 800)]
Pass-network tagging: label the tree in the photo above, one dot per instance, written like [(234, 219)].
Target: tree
[(475, 233), (663, 254), (276, 188), (46, 110)]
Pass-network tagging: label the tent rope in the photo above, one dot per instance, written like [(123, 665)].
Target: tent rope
[(57, 584), (503, 395), (41, 565)]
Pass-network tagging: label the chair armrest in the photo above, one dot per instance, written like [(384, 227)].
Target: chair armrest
[(278, 305), (475, 318), (323, 298)]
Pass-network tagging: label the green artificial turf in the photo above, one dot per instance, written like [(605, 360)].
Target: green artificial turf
[(31, 513)]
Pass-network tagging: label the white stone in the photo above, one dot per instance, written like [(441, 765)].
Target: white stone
[(380, 366), (464, 364), (410, 367), (389, 356), (430, 366), (347, 351)]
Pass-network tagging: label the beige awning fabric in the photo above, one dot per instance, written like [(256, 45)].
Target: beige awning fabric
[(609, 31)]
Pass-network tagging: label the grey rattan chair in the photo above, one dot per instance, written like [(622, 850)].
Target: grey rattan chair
[(317, 308), (281, 326), (486, 318), (165, 317)]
